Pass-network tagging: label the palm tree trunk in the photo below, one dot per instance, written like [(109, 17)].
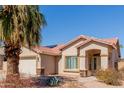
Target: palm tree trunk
[(12, 53), (12, 65)]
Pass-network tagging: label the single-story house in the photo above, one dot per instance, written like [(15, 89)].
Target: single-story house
[(83, 55)]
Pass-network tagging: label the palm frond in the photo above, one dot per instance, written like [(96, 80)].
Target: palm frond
[(21, 24)]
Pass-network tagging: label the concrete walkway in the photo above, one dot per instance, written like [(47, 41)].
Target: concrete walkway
[(86, 79)]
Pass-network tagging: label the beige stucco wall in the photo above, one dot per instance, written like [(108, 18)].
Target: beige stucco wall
[(3, 72), (57, 62), (94, 45), (48, 63), (60, 65), (4, 66), (71, 50), (27, 52), (31, 61)]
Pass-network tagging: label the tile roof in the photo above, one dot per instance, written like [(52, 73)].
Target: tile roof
[(57, 49), (111, 41), (79, 37), (50, 51), (98, 40)]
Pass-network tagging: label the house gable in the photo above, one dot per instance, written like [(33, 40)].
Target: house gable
[(72, 42), (71, 49), (26, 52), (87, 42), (94, 45), (97, 41)]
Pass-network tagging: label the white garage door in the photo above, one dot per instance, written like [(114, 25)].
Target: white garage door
[(27, 66)]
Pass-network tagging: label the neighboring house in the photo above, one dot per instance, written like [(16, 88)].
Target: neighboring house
[(82, 56)]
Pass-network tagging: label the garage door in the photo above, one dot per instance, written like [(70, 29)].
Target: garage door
[(27, 66)]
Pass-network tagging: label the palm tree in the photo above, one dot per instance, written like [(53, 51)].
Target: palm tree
[(19, 26)]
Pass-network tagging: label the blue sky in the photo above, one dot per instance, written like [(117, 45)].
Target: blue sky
[(66, 22)]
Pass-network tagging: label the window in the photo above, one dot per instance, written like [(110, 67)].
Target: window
[(71, 62)]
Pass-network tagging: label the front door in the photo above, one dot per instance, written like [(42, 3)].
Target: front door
[(95, 64)]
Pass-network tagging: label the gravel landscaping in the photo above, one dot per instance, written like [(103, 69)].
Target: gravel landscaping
[(92, 82), (73, 82), (86, 82)]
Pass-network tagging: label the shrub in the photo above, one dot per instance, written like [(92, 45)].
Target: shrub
[(122, 69), (111, 77), (53, 81), (122, 72)]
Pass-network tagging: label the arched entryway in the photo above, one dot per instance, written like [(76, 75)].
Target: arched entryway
[(93, 60)]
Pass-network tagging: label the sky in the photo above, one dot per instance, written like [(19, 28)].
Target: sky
[(67, 22)]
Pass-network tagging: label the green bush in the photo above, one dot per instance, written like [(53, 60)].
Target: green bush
[(111, 77)]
